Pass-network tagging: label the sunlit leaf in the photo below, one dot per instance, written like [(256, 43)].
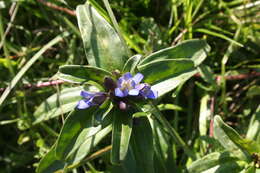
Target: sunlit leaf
[(78, 127), (210, 161), (80, 74), (196, 50), (103, 46), (121, 133)]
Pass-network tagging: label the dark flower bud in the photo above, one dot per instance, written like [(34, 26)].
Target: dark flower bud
[(99, 99), (109, 84)]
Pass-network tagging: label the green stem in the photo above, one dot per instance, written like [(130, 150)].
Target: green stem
[(223, 70), (49, 130), (174, 134)]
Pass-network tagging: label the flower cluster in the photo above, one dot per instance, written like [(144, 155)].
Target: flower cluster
[(127, 85)]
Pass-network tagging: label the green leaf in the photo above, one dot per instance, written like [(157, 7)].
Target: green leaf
[(232, 167), (131, 64), (58, 104), (254, 127), (142, 144), (167, 74), (103, 46), (232, 141), (207, 75), (164, 154), (80, 74), (196, 50), (78, 126), (174, 107), (249, 169), (49, 163), (161, 70), (75, 124), (121, 133), (210, 161), (217, 34), (87, 146), (204, 120), (171, 83)]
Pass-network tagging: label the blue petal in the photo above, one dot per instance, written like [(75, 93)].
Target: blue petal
[(127, 76), (133, 92), (152, 94), (140, 86), (120, 81), (119, 92), (138, 78), (86, 94), (83, 104), (132, 83)]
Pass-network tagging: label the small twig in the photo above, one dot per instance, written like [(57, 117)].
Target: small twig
[(53, 6), (39, 85), (212, 111), (91, 157), (177, 39), (235, 77)]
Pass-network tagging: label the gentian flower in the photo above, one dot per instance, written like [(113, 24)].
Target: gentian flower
[(129, 85), (91, 99), (147, 92)]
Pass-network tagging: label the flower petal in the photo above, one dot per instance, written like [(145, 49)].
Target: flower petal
[(138, 78), (140, 86), (86, 94), (119, 92), (152, 94), (127, 76), (120, 81), (133, 92), (83, 104)]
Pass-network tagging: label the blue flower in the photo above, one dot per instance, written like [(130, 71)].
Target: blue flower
[(129, 85), (91, 99)]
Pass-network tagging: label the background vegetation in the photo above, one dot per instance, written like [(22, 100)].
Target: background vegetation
[(32, 49)]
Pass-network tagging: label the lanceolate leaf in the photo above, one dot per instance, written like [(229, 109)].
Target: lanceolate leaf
[(254, 127), (77, 128), (142, 144), (88, 145), (161, 70), (58, 104), (210, 161), (196, 50), (171, 83), (103, 46), (121, 133), (76, 122), (49, 163), (245, 144), (80, 74), (167, 74), (131, 64)]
